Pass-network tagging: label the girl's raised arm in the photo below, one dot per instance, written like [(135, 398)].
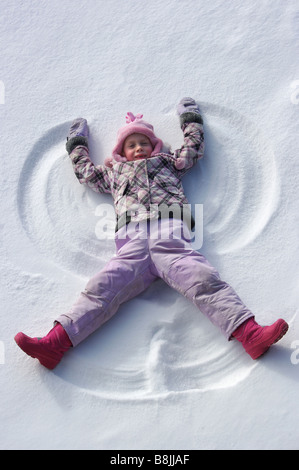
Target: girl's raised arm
[(96, 177), (192, 126)]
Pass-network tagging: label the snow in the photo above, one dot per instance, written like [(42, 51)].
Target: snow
[(158, 375)]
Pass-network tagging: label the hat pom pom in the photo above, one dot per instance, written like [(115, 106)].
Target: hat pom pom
[(131, 118)]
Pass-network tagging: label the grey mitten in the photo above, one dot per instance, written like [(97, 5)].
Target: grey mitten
[(188, 111), (78, 134)]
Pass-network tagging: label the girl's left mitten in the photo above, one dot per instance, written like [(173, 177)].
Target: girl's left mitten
[(188, 111), (78, 134)]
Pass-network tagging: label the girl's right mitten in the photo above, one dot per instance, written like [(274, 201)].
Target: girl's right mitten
[(78, 134)]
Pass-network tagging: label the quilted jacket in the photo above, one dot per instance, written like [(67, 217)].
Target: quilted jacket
[(143, 189)]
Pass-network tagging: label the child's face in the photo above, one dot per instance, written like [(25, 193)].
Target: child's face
[(136, 147)]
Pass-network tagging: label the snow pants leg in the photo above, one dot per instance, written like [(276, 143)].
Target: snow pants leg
[(125, 276), (189, 272)]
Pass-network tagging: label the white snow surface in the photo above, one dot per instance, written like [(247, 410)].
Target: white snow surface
[(158, 375)]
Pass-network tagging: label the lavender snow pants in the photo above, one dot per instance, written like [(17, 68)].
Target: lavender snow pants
[(143, 257)]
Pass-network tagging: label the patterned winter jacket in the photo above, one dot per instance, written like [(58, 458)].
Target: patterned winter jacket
[(144, 189)]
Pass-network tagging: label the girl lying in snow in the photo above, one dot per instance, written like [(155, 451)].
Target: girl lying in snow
[(150, 243)]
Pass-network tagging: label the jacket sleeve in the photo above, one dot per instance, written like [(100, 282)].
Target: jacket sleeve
[(193, 147), (96, 177)]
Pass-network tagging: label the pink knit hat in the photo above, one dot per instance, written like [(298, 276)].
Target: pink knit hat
[(135, 125)]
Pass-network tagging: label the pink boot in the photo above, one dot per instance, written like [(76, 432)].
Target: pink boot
[(48, 350), (256, 339)]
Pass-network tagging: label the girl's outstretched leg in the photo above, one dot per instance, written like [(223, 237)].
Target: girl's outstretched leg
[(125, 276), (191, 274)]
